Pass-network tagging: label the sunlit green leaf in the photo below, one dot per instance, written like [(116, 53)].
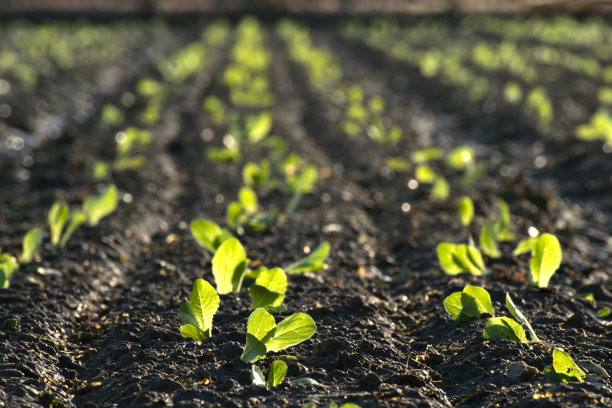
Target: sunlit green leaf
[(466, 210), (504, 328), (97, 207), (277, 373), (30, 245), (315, 261), (545, 260), (228, 266), (488, 240)]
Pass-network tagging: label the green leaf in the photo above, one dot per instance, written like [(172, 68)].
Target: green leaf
[(488, 241), (521, 318), (260, 323), (208, 234), (204, 302), (258, 127), (31, 243), (304, 381), (75, 220), (58, 215), (248, 200), (313, 262), (254, 350), (98, 207), (469, 304), (460, 258), (257, 376), (234, 214), (460, 158), (466, 211), (277, 373), (256, 174), (304, 181), (8, 266), (440, 189), (445, 252), (481, 297), (565, 366), (504, 328), (502, 227), (453, 304), (605, 312), (424, 174), (545, 260), (190, 331), (524, 246), (269, 289), (291, 331), (425, 155), (228, 266)]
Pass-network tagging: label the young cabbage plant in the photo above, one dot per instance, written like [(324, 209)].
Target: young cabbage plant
[(258, 127), (298, 183), (460, 258), (518, 315), (228, 266), (564, 368), (209, 234), (545, 260), (525, 245), (264, 335), (440, 189), (488, 240), (97, 207), (269, 290), (424, 174), (31, 244), (426, 155), (502, 226), (504, 328), (313, 262), (277, 373), (63, 223), (244, 214), (258, 175), (198, 312), (466, 211), (129, 143), (469, 304), (8, 266)]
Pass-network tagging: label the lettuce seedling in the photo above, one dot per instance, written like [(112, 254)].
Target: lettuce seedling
[(209, 234), (258, 127), (215, 108), (425, 155), (466, 211), (75, 219), (264, 335), (504, 328), (277, 373), (129, 142), (502, 226), (57, 218), (518, 315), (257, 175), (298, 182), (469, 304), (564, 368), (245, 214), (8, 266), (488, 240), (314, 262), (545, 260), (440, 189), (461, 158), (198, 312), (460, 258), (525, 245), (30, 245), (97, 207), (269, 290), (228, 266), (424, 174)]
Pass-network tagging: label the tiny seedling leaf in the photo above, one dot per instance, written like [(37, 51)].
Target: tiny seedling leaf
[(75, 220), (254, 349), (277, 373), (440, 189), (504, 328), (566, 367), (546, 259), (248, 200), (521, 318), (488, 240), (469, 304), (31, 243), (257, 376), (8, 266), (524, 246), (466, 211), (269, 289), (502, 227), (208, 234), (98, 207), (228, 266), (199, 311), (460, 158), (291, 331), (259, 127), (460, 258), (304, 381), (425, 155), (58, 215), (424, 174), (313, 262)]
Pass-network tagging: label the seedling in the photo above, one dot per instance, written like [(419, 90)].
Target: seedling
[(8, 266), (228, 266), (258, 127), (424, 174), (314, 262), (425, 155), (257, 175), (469, 304), (460, 258), (440, 189), (97, 207), (525, 245), (461, 158), (277, 373), (264, 335), (502, 226), (269, 290), (198, 312), (564, 368), (63, 223), (488, 240), (466, 211), (111, 116), (129, 143), (545, 260), (209, 234), (518, 315), (506, 328), (300, 179), (213, 106), (244, 214), (30, 245)]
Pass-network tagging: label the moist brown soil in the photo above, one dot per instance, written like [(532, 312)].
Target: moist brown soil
[(96, 324)]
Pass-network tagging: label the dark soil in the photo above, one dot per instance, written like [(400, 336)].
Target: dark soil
[(97, 324)]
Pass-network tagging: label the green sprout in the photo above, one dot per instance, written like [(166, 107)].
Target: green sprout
[(469, 304), (466, 211), (228, 266), (277, 373), (460, 258), (502, 226), (209, 234), (488, 240), (129, 143), (564, 368), (198, 312), (269, 290), (507, 328), (545, 260), (314, 262), (244, 214), (111, 116), (264, 335), (258, 127), (97, 207), (63, 223), (31, 244), (257, 175), (8, 266)]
